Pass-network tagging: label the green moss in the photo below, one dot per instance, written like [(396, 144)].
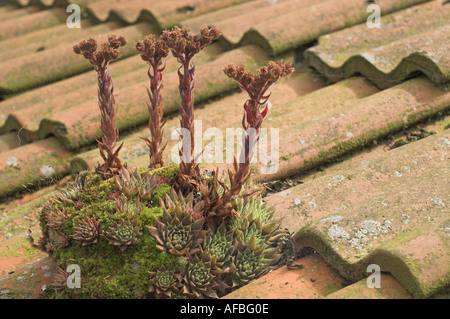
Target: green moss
[(445, 124), (399, 143), (106, 271), (148, 215), (161, 193), (286, 157), (168, 172)]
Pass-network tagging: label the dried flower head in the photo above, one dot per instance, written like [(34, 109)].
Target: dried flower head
[(256, 86), (185, 45), (107, 53), (152, 49)]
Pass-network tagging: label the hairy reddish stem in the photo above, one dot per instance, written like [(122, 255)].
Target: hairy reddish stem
[(186, 89), (156, 113)]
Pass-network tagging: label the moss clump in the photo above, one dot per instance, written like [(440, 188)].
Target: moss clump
[(106, 271), (120, 241)]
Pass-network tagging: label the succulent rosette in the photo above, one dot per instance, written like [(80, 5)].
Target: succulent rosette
[(126, 207), (134, 183), (164, 281), (58, 239), (124, 233), (207, 233), (264, 234), (250, 262), (177, 232), (69, 195), (87, 232), (253, 208), (174, 199), (56, 218), (220, 245), (201, 277)]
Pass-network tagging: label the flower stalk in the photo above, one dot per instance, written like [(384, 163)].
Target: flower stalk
[(184, 46), (152, 51), (100, 59), (255, 110)]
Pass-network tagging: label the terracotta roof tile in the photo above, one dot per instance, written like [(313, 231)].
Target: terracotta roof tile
[(19, 221), (51, 3), (168, 11), (390, 289), (390, 210), (11, 12), (288, 24), (234, 21), (27, 23), (24, 269), (52, 119), (26, 72), (45, 39), (29, 281), (392, 53), (32, 165), (163, 13), (9, 141), (314, 280)]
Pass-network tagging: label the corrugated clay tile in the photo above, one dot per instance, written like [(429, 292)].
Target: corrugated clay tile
[(392, 53), (390, 210), (314, 280)]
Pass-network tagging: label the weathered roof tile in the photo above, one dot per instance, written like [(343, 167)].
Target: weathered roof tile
[(389, 288), (27, 23), (391, 210), (27, 72), (392, 53), (32, 165), (163, 13), (315, 279), (288, 24)]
